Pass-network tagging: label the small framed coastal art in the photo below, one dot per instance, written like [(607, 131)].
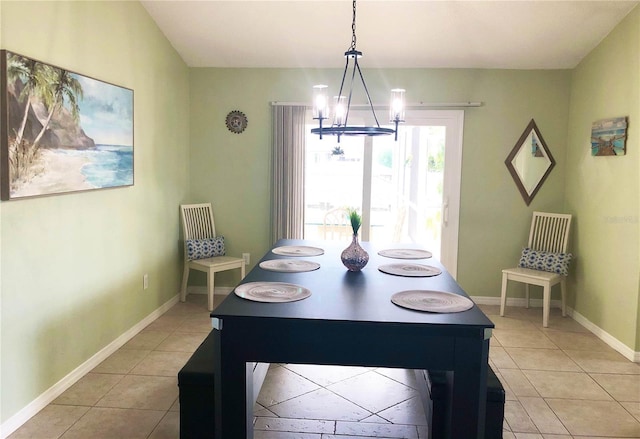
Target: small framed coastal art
[(609, 137), (61, 132)]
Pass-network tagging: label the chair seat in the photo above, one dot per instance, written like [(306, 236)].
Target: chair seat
[(222, 262), (531, 274)]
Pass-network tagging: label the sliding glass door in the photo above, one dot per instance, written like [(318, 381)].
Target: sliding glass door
[(407, 191)]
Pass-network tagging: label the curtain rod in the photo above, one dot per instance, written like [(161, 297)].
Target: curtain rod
[(418, 105)]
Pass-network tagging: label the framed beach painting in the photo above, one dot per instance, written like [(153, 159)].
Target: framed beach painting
[(60, 131), (609, 137)]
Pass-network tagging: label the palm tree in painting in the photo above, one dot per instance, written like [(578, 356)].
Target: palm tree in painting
[(62, 88), (45, 85), (33, 75)]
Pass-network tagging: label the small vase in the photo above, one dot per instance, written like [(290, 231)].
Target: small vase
[(354, 257)]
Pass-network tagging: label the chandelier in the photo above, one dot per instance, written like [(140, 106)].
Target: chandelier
[(342, 104)]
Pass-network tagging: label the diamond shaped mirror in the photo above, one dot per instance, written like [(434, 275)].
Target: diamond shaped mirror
[(530, 162)]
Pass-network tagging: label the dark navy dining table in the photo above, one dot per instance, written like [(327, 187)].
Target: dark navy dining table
[(349, 319)]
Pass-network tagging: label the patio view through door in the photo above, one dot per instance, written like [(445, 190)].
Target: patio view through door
[(407, 191)]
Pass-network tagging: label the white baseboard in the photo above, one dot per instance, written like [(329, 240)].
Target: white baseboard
[(513, 301), (609, 339), (223, 291), (26, 413)]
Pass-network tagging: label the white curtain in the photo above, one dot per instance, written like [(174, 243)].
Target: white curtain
[(287, 176)]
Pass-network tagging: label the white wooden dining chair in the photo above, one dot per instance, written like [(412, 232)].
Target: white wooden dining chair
[(200, 233), (336, 225), (544, 262)]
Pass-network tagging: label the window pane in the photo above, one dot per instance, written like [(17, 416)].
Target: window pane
[(387, 204), (333, 182)]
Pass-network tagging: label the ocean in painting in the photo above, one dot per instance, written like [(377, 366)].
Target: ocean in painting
[(107, 165)]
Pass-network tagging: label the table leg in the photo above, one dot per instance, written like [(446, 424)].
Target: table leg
[(469, 392), (233, 388)]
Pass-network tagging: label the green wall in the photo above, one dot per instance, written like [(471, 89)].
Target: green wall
[(603, 192), (233, 170), (72, 265)]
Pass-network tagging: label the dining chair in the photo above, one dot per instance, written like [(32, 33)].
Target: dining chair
[(544, 262), (203, 250)]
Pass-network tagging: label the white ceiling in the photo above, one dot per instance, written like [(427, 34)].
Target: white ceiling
[(514, 34)]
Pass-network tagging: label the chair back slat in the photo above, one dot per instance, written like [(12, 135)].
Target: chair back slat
[(549, 232), (197, 221)]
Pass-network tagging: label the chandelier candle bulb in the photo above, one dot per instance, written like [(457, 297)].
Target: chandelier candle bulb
[(339, 112), (320, 102), (397, 106)]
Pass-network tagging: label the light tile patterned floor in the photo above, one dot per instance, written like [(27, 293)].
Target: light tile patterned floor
[(561, 382)]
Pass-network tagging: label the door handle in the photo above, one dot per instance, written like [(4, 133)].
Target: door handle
[(445, 212)]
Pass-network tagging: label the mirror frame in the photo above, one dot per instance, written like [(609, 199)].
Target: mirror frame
[(514, 174)]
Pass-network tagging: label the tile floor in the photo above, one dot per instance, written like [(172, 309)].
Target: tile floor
[(561, 383)]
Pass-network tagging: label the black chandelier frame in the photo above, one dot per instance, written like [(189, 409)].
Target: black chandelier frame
[(343, 129)]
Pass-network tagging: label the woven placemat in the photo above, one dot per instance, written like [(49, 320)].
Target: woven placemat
[(272, 292), (410, 270), (405, 253), (432, 301), (289, 265), (298, 250)]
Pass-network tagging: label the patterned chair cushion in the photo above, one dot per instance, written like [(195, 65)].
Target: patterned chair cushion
[(205, 248), (546, 261)]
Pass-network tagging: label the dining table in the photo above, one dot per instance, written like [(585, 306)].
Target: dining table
[(332, 316)]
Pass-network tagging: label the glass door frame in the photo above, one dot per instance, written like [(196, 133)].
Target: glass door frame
[(453, 121)]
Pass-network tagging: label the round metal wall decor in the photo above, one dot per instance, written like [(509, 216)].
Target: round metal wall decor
[(236, 121)]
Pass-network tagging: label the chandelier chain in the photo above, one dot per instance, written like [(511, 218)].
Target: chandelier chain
[(353, 28)]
